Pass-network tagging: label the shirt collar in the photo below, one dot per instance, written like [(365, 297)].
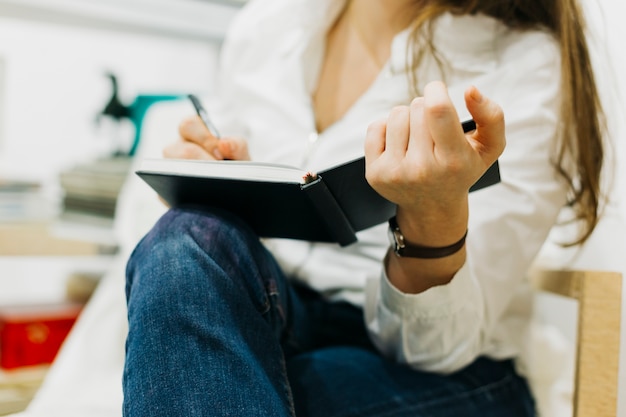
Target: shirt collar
[(320, 14), (467, 42)]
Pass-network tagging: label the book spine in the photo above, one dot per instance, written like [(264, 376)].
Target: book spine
[(329, 210)]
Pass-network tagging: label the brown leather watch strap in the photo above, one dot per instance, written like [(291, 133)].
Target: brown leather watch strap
[(404, 249)]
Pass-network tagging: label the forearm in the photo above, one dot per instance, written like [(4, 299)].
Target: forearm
[(421, 159)]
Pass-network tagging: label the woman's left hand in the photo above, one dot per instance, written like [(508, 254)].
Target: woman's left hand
[(420, 158)]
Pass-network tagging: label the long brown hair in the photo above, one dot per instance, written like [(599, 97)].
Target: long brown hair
[(582, 125)]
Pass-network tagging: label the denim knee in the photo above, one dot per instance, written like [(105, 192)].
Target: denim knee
[(191, 253)]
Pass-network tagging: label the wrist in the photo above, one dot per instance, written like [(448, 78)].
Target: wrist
[(434, 228), (404, 248)]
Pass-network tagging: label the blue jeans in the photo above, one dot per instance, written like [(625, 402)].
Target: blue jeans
[(216, 329)]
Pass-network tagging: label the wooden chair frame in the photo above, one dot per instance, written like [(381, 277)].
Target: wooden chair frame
[(599, 296)]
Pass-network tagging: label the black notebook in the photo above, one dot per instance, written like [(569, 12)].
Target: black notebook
[(280, 201)]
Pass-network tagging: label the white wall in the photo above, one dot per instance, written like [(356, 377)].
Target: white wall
[(54, 87), (2, 95)]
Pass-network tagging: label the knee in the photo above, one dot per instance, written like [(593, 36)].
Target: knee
[(179, 233), (187, 256), (178, 228), (170, 254)]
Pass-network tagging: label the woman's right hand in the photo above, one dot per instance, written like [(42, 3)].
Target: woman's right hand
[(196, 142)]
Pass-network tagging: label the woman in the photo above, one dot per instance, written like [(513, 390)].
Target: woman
[(223, 324)]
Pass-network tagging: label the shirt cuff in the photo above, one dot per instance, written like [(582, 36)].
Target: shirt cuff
[(435, 303)]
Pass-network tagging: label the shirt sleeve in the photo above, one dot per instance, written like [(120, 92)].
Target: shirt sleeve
[(447, 327)]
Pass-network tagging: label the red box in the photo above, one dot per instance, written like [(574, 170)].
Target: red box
[(32, 334)]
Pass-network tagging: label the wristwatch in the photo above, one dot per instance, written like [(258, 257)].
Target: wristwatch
[(404, 249)]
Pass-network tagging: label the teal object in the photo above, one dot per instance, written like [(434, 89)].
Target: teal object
[(138, 110), (135, 112)]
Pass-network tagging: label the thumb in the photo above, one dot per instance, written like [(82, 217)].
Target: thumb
[(234, 148), (489, 137)]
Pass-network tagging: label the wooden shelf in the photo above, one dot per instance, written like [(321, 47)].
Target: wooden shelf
[(17, 388), (36, 239)]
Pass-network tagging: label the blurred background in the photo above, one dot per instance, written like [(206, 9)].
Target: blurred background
[(77, 78), (78, 81)]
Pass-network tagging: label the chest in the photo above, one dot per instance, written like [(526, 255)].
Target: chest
[(302, 106), (347, 71)]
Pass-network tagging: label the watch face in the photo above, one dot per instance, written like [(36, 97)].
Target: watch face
[(396, 240)]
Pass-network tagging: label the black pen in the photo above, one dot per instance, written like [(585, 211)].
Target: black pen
[(204, 116), (468, 125)]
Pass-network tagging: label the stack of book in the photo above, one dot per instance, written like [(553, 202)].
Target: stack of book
[(23, 201), (18, 387), (90, 190)]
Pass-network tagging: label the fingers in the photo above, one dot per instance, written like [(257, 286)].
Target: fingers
[(419, 138), (390, 136), (375, 139), (489, 118), (193, 130), (421, 159), (186, 150), (442, 119), (230, 148), (233, 148), (397, 131)]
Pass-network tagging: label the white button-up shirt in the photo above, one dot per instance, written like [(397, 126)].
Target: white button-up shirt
[(270, 64)]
